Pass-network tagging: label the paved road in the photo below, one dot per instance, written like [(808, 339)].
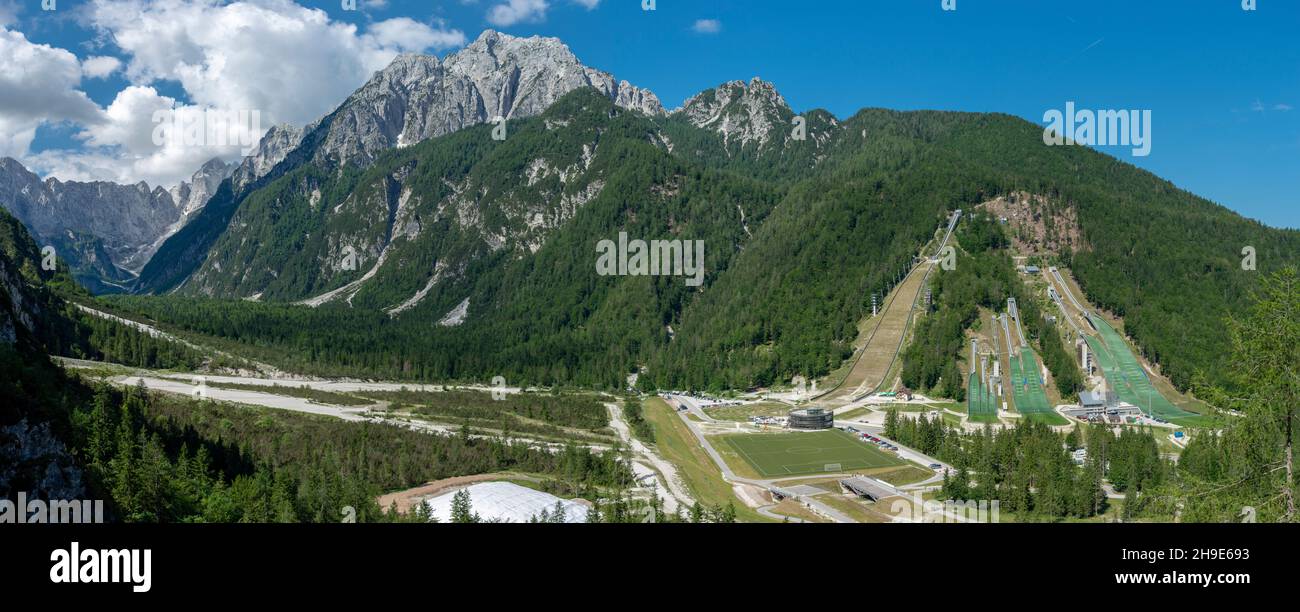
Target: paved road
[(905, 452), (257, 398), (336, 385)]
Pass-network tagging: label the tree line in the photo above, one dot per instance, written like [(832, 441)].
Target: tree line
[(1027, 468)]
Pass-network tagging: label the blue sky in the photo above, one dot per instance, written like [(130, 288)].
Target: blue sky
[(1223, 84)]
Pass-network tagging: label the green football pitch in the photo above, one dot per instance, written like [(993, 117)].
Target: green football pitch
[(812, 452)]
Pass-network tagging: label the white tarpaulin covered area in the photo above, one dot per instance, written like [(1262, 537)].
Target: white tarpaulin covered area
[(507, 502)]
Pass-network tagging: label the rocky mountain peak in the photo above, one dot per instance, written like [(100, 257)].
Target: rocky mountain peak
[(417, 97), (192, 195), (213, 166), (741, 112), (407, 71), (493, 51), (104, 230), (101, 229), (275, 144), (9, 164)]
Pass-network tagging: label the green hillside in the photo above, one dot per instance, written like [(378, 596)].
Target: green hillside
[(827, 222)]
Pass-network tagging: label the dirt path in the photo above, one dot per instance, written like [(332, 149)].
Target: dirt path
[(665, 471)]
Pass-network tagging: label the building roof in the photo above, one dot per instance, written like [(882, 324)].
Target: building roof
[(506, 502), (869, 487), (1091, 398)]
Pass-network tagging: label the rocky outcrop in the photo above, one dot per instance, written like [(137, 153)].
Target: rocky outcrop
[(32, 457), (742, 113), (271, 150), (418, 97), (105, 231)]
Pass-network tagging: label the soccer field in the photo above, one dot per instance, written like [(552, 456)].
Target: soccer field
[(812, 452)]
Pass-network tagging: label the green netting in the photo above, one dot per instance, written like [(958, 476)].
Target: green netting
[(979, 399), (1125, 374), (1026, 386)]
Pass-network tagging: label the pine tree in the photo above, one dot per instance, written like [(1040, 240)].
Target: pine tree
[(1266, 349), (891, 423), (1072, 438), (462, 508), (123, 469), (100, 441), (154, 479)]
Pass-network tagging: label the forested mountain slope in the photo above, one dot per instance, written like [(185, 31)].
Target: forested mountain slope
[(415, 98), (36, 397), (1166, 260), (157, 458), (34, 393), (474, 257)]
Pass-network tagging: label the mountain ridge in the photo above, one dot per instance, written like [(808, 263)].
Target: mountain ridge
[(107, 231), (839, 206), (526, 76)]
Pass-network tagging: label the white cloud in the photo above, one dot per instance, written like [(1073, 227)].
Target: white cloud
[(129, 124), (16, 136), (40, 86), (137, 141), (707, 26), (100, 66), (405, 33), (516, 11), (1259, 107), (286, 62), (590, 4)]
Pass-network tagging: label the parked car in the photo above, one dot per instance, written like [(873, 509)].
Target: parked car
[(935, 466)]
